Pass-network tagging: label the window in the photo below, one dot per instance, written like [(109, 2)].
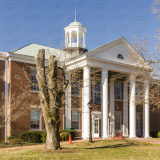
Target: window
[(76, 87), (35, 119), (120, 56), (137, 93), (76, 120), (118, 121), (96, 94), (137, 122), (34, 82), (118, 91)]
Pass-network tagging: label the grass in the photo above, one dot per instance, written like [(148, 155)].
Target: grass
[(6, 145), (105, 149)]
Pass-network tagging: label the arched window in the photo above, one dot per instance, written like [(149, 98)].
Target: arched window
[(120, 56)]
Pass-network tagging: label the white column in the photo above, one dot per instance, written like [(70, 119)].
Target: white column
[(104, 104), (112, 106), (68, 104), (125, 108), (146, 108), (132, 108), (86, 99), (78, 38), (70, 42)]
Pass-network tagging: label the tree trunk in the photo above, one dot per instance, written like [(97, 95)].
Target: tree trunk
[(53, 138), (50, 98)]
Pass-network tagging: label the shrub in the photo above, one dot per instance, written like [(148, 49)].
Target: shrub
[(9, 138), (40, 136), (30, 136), (15, 141), (43, 138), (71, 132), (64, 136), (158, 134)]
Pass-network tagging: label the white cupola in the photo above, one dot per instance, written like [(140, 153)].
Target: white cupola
[(75, 35)]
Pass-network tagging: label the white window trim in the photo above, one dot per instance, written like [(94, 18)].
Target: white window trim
[(78, 120), (79, 84), (120, 91), (32, 129), (93, 94), (36, 84)]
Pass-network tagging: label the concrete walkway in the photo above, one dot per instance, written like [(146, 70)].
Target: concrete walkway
[(78, 140)]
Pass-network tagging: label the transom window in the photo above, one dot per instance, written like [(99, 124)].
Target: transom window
[(35, 119), (118, 121), (76, 87), (34, 82), (118, 91), (76, 120), (120, 56)]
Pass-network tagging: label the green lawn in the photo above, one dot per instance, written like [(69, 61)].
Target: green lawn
[(6, 145), (97, 150)]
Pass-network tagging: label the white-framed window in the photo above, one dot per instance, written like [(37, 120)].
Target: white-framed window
[(138, 121), (76, 120), (34, 82), (76, 87), (118, 91), (35, 119), (96, 93), (117, 121)]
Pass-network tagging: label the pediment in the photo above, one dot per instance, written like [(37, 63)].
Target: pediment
[(113, 53)]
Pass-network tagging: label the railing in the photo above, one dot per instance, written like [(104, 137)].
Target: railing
[(75, 45)]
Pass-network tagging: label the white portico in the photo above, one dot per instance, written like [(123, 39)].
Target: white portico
[(117, 71)]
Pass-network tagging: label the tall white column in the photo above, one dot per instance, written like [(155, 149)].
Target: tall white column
[(146, 108), (132, 108), (86, 99), (104, 104), (125, 108), (68, 104), (112, 106)]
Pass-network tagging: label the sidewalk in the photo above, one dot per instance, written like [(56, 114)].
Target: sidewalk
[(78, 140)]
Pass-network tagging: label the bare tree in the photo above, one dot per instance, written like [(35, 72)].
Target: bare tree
[(51, 96), (150, 61)]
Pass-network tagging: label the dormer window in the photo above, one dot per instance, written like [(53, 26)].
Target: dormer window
[(120, 56)]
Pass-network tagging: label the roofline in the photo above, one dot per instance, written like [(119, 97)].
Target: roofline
[(30, 44), (105, 44)]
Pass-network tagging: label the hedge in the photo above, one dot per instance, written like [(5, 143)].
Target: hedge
[(40, 136), (155, 134), (31, 136)]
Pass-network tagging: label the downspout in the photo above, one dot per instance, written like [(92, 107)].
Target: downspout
[(6, 99)]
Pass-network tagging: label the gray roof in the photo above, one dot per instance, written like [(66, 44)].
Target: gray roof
[(32, 50)]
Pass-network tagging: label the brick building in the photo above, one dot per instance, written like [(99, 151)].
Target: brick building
[(114, 91)]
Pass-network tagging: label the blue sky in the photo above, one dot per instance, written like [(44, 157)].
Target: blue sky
[(43, 21)]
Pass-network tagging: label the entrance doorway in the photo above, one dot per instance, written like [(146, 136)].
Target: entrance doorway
[(97, 127)]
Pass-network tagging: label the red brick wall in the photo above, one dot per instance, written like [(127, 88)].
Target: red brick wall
[(2, 89), (20, 85)]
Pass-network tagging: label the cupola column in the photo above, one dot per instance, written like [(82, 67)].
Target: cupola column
[(70, 41), (77, 38)]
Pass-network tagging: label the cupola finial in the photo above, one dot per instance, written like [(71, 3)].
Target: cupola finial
[(75, 15)]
